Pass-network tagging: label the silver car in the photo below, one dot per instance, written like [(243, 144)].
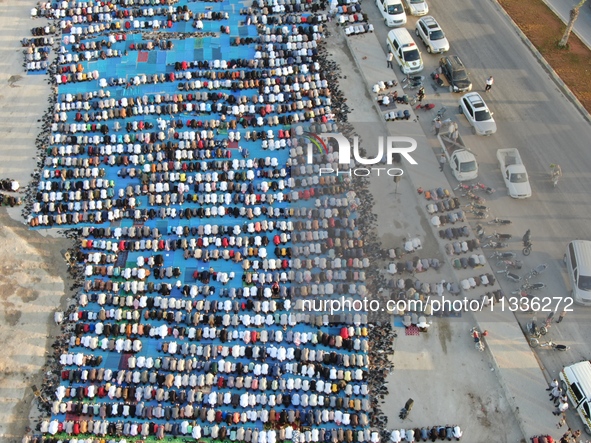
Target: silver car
[(429, 31)]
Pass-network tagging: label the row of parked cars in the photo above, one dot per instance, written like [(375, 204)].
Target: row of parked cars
[(408, 57)]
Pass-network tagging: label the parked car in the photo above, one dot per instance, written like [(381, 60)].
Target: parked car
[(417, 7), (479, 116), (432, 35), (392, 11), (455, 72)]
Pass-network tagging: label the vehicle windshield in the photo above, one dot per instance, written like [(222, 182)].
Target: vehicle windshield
[(518, 178), (437, 35), (460, 74), (482, 116), (395, 9), (412, 56), (468, 166), (584, 283), (414, 2)]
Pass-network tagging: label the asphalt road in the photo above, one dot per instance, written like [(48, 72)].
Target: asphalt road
[(534, 116)]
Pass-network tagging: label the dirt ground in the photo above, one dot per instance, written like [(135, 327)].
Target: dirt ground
[(544, 29), (31, 286)]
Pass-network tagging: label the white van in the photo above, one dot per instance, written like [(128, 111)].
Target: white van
[(576, 382), (392, 11), (578, 267), (405, 50)]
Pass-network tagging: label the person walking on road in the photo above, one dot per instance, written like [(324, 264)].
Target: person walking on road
[(441, 162), (389, 60), (561, 316), (489, 83)]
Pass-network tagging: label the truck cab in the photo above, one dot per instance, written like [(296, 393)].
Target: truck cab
[(461, 160), (393, 12)]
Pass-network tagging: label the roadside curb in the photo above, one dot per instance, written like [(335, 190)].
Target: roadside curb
[(563, 87)]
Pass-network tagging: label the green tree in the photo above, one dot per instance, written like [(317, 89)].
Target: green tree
[(574, 14)]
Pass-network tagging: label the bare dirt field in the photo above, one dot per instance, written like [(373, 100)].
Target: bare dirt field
[(31, 286)]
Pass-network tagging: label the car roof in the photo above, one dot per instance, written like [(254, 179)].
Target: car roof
[(476, 100), (430, 22), (455, 61)]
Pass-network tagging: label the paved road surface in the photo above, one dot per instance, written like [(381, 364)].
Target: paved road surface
[(535, 117)]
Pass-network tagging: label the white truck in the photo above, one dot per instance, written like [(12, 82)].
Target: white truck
[(461, 161), (514, 173)]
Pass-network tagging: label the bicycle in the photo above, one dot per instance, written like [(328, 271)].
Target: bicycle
[(555, 173)]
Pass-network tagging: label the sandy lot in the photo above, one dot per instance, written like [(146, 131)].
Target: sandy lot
[(32, 269)]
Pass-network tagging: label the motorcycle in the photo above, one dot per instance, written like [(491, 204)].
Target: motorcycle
[(527, 244), (482, 187), (477, 207), (507, 255), (474, 197), (495, 245), (509, 264), (499, 221), (534, 331), (531, 287), (478, 214), (510, 275), (535, 343), (415, 81), (498, 236), (478, 338)]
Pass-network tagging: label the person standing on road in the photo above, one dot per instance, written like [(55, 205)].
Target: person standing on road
[(489, 83), (421, 94), (561, 316), (561, 409), (437, 126), (389, 60), (441, 162), (555, 394), (553, 384)]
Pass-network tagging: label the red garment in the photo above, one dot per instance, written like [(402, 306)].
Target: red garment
[(344, 333)]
